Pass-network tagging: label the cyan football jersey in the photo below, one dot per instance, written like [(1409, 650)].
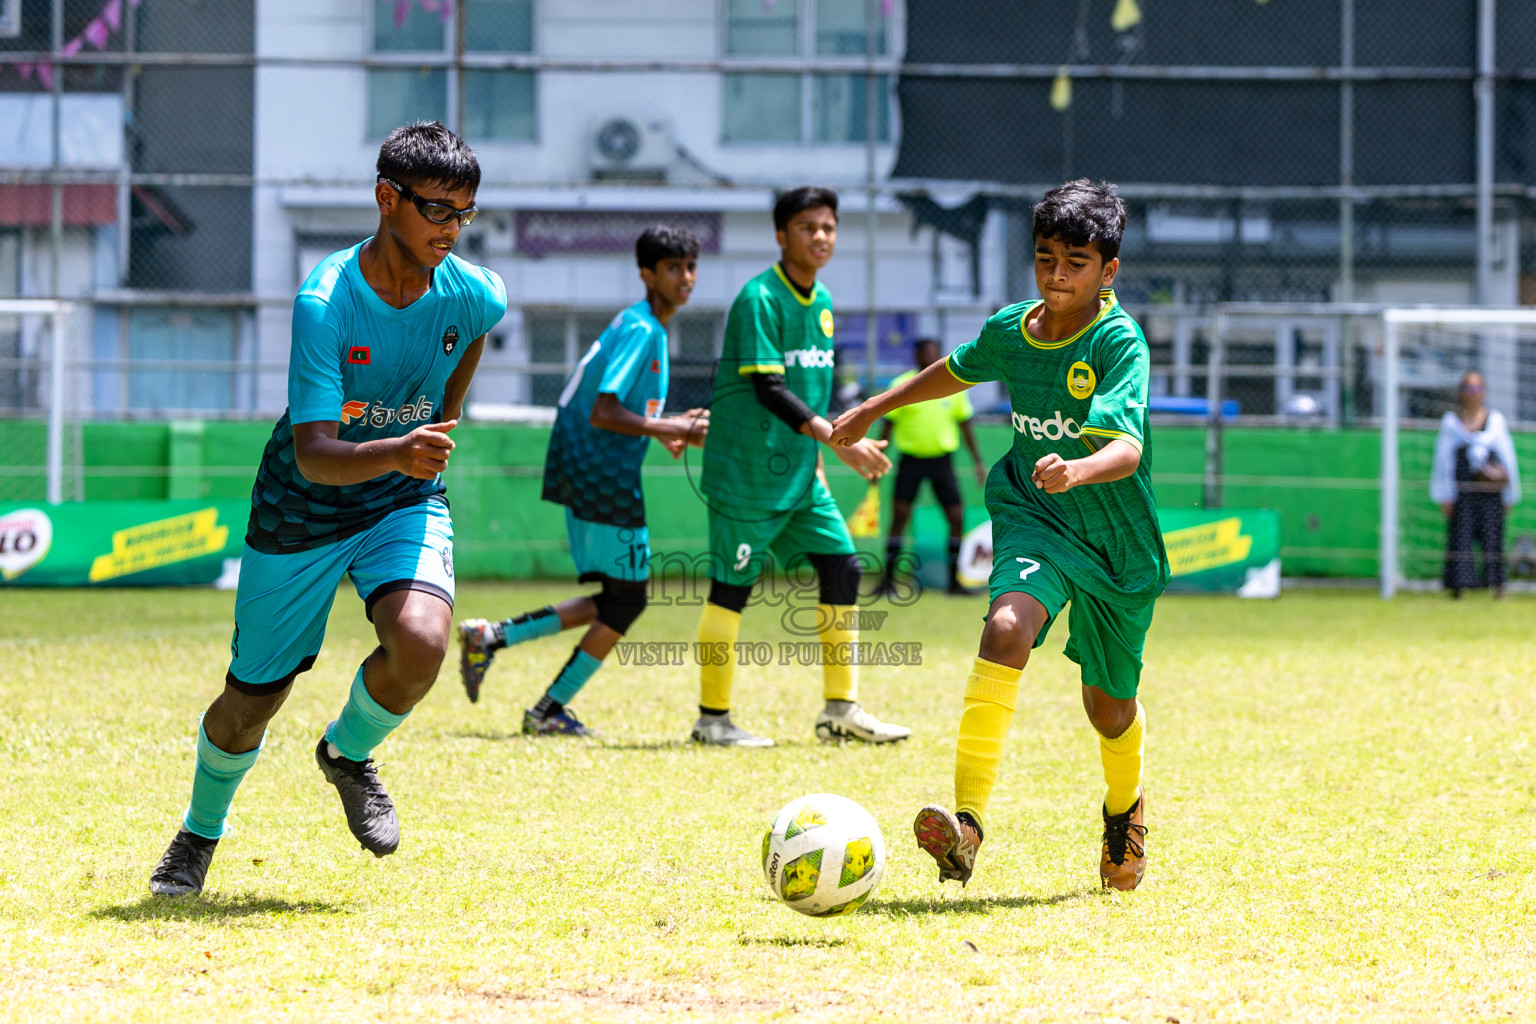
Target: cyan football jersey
[(379, 372), (593, 472)]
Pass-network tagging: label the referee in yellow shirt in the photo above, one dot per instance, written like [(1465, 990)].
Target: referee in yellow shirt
[(927, 434)]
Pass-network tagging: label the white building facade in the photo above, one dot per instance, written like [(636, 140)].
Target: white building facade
[(592, 118)]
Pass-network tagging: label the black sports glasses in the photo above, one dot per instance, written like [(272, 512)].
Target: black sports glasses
[(437, 213)]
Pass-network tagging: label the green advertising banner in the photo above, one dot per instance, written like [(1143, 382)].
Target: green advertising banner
[(121, 543), (1223, 551), (1219, 551)]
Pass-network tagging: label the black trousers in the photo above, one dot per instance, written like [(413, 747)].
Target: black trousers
[(1477, 516)]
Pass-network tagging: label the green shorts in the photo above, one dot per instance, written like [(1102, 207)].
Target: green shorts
[(743, 541), (1105, 639)]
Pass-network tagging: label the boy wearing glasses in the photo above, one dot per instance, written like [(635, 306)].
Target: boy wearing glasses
[(386, 336)]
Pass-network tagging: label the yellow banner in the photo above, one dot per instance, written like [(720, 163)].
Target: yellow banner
[(162, 542), (1207, 546)]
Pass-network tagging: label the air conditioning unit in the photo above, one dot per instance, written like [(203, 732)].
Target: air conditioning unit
[(625, 146)]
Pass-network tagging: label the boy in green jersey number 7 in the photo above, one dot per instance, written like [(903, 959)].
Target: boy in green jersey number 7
[(1073, 519)]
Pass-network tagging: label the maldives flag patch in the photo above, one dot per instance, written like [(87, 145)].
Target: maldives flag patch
[(359, 355), (655, 365)]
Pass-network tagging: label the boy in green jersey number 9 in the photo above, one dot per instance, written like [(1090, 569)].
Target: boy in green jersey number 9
[(763, 480), (1073, 519)]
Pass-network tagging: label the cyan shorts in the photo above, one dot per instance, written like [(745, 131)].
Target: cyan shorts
[(283, 601), (604, 551)]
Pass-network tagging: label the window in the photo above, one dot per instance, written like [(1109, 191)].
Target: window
[(399, 95), (159, 338), (762, 27), (484, 103), (762, 108), (840, 28), (840, 108), (819, 107)]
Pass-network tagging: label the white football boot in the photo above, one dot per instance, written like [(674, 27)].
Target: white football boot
[(840, 721), (720, 731)]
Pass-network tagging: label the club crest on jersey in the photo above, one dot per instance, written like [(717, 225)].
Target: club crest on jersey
[(450, 339), (372, 414), (1081, 379), (826, 322), (359, 355)]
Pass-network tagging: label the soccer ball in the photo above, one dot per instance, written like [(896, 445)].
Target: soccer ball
[(823, 855)]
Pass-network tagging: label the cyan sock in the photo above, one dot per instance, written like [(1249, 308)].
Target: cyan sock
[(362, 724), (531, 626), (573, 677), (214, 782)]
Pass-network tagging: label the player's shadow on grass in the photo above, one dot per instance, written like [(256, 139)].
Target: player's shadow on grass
[(787, 940), (493, 736), (650, 745), (969, 905), (192, 908)]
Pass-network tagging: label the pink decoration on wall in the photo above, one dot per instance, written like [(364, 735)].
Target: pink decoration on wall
[(97, 33)]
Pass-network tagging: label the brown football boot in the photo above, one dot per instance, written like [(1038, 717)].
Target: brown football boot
[(1123, 856), (948, 840)]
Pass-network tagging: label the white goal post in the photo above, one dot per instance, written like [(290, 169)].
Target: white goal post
[(1425, 351), (36, 378)]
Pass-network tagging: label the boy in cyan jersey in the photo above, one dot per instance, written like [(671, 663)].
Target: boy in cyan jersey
[(386, 336), (763, 478), (1073, 519), (610, 409)]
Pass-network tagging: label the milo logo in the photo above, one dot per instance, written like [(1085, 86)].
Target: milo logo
[(25, 537)]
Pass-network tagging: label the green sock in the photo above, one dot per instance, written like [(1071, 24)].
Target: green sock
[(214, 782), (362, 724)]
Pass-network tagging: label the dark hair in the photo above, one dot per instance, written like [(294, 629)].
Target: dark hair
[(664, 242), (1083, 212), (426, 153), (798, 200), (920, 342)]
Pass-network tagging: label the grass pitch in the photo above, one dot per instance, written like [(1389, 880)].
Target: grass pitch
[(1340, 795)]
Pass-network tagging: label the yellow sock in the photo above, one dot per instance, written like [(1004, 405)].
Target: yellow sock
[(718, 628), (991, 691), (1122, 764), (839, 681)]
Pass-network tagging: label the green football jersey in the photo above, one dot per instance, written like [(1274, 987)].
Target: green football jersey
[(1072, 397), (751, 457)]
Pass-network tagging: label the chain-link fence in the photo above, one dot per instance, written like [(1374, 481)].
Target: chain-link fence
[(175, 167)]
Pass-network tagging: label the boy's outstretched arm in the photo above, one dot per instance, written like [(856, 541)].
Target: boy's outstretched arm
[(1115, 461), (934, 381), (608, 413), (864, 457)]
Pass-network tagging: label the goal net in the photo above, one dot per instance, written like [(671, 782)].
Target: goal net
[(40, 398), (1425, 354)]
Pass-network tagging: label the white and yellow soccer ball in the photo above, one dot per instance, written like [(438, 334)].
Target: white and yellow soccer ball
[(823, 855)]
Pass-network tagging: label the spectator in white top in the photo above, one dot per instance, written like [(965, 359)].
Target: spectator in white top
[(1475, 480)]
